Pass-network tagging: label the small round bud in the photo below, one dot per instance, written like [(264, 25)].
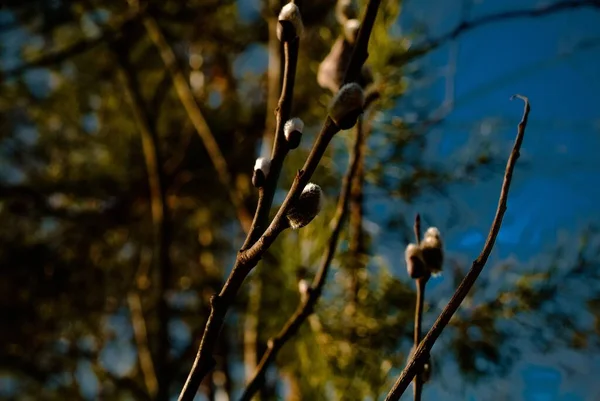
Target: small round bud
[(293, 132), (290, 23), (415, 264), (307, 207), (347, 105), (261, 171), (432, 249)]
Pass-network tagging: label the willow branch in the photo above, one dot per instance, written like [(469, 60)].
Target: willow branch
[(421, 353), (248, 258), (418, 380), (421, 284), (195, 115), (307, 304)]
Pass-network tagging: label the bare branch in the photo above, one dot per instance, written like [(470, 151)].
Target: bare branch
[(248, 257), (421, 284), (422, 352), (161, 224), (309, 300)]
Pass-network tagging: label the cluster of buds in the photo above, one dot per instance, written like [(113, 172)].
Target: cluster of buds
[(290, 23), (426, 258), (306, 207)]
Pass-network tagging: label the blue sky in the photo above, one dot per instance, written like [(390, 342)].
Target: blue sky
[(554, 60)]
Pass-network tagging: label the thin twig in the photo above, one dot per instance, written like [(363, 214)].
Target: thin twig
[(161, 224), (420, 301), (140, 334), (356, 242), (422, 352), (417, 229), (248, 258), (421, 284), (307, 304), (279, 99), (280, 146)]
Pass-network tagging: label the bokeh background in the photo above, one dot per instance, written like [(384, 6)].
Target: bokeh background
[(104, 292)]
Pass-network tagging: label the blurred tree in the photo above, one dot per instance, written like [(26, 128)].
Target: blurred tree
[(117, 221)]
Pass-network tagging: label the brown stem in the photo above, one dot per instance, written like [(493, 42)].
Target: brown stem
[(421, 283), (280, 147), (418, 381), (277, 69), (248, 257), (306, 306), (140, 334), (421, 353), (274, 74), (160, 213), (356, 246)]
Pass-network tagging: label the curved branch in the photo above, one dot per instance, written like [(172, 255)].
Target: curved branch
[(247, 259), (421, 353), (306, 306)]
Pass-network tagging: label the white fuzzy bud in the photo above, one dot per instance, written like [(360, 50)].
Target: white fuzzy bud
[(293, 132), (415, 264), (347, 105), (433, 250), (290, 23), (261, 171), (307, 207)]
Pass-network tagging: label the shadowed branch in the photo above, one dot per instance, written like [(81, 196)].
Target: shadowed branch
[(310, 299), (247, 259), (422, 352)]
